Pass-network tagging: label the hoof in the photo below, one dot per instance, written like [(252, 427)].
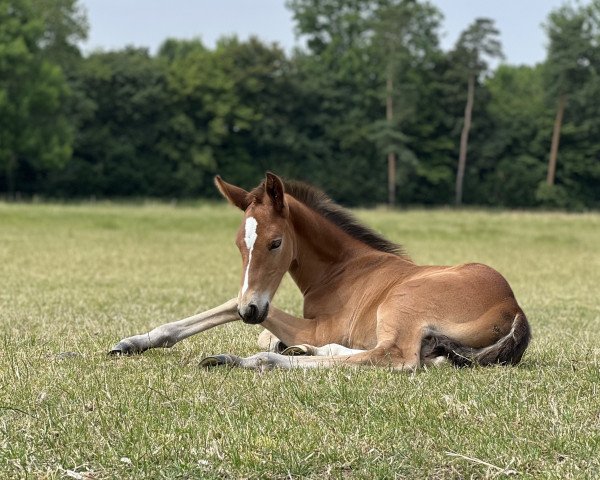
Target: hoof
[(217, 360), (278, 347), (124, 348), (297, 350)]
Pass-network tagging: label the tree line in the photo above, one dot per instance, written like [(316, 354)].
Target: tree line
[(370, 108)]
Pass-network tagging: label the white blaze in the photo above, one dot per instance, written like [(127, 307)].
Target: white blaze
[(249, 237)]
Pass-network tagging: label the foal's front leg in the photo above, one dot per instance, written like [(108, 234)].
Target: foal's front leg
[(288, 328), (270, 343), (329, 350), (169, 334)]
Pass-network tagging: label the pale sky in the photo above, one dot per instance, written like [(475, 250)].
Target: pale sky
[(115, 24)]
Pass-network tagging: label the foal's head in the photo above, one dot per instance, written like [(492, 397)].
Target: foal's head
[(265, 240)]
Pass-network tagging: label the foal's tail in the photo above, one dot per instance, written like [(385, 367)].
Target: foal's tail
[(508, 350)]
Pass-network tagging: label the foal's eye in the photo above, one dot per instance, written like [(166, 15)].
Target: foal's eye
[(275, 244)]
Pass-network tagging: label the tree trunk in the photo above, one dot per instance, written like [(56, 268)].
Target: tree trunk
[(464, 140), (11, 164), (562, 102), (391, 158)]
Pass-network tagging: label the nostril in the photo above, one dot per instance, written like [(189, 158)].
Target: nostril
[(251, 313)]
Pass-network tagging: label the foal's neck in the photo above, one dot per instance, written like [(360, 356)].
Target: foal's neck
[(322, 248)]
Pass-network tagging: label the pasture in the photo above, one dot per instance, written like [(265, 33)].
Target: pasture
[(75, 279)]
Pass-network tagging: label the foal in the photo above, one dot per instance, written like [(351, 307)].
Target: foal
[(365, 301)]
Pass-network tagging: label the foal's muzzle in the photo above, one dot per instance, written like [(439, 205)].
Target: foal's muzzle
[(252, 314)]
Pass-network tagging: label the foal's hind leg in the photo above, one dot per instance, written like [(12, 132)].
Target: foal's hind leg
[(400, 332), (267, 360)]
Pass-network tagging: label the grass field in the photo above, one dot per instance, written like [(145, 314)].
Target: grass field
[(78, 278)]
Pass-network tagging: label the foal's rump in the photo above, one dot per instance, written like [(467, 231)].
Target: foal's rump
[(478, 319)]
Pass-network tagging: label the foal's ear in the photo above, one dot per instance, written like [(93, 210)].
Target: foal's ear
[(236, 195), (275, 190)]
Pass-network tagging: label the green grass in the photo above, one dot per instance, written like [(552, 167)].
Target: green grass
[(79, 278)]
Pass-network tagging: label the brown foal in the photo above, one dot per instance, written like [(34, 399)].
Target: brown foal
[(365, 301)]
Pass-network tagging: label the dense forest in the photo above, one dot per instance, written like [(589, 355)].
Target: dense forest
[(370, 108)]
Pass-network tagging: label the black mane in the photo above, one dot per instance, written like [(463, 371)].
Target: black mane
[(320, 203)]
